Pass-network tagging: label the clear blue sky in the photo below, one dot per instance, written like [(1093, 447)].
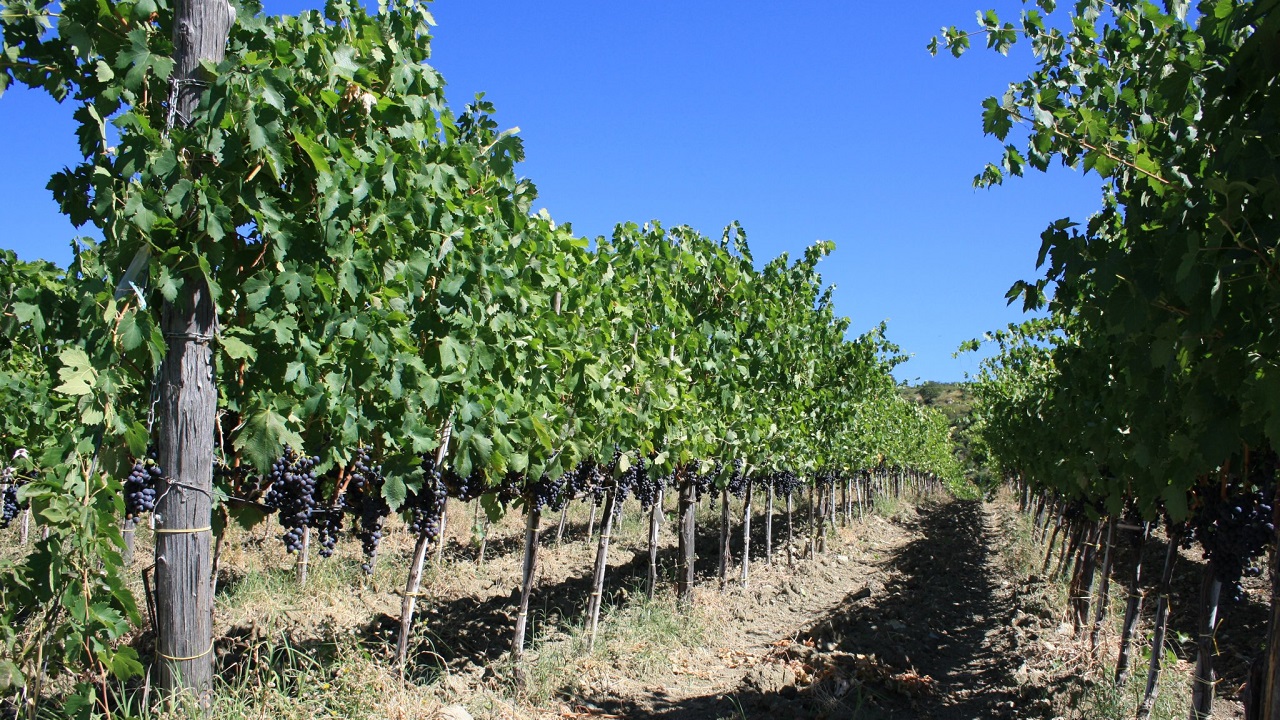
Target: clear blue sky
[(805, 120)]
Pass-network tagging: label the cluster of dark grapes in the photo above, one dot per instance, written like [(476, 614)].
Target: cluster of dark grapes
[(1233, 532), (596, 484), (364, 499), (785, 482), (466, 488), (293, 494), (9, 505), (648, 488), (140, 487), (738, 480), (427, 505), (545, 493), (327, 522), (704, 484), (628, 481), (511, 488)]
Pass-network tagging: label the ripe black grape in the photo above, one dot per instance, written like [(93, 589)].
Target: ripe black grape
[(1234, 526), (9, 506), (364, 499), (140, 488), (648, 488), (293, 495), (704, 483), (427, 505)]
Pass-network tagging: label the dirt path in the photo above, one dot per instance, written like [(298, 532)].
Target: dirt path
[(912, 620)]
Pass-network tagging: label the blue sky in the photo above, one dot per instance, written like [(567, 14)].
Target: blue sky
[(804, 121)]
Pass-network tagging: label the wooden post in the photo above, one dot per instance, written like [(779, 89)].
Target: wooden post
[(768, 527), (813, 529), (1104, 590), (1082, 579), (725, 559), (602, 565), (746, 534), (126, 530), (1133, 605), (414, 582), (655, 520), (188, 407), (1203, 676), (1053, 538), (444, 522), (791, 553), (685, 556), (304, 556), (1161, 625), (188, 403), (1265, 683), (532, 521), (564, 513)]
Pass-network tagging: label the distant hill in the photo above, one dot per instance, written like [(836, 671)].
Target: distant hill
[(955, 401), (952, 399)]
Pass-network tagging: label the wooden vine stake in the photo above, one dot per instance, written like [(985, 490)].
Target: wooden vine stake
[(1267, 675), (1133, 605), (188, 399), (746, 534), (725, 560), (791, 550), (444, 518), (768, 527), (413, 584), (1203, 677), (1161, 625), (304, 557), (685, 552), (533, 520), (655, 522), (1104, 590), (602, 565)]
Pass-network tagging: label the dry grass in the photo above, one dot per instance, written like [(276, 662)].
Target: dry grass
[(1084, 680)]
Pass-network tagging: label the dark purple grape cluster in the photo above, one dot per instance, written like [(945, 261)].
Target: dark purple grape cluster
[(738, 480), (327, 522), (364, 499), (427, 505), (579, 482), (293, 495), (545, 493), (140, 488), (1234, 531), (9, 505), (704, 484), (648, 488), (784, 483), (595, 484), (466, 488), (627, 482)]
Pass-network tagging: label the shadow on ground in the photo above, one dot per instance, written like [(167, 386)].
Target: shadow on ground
[(940, 615)]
